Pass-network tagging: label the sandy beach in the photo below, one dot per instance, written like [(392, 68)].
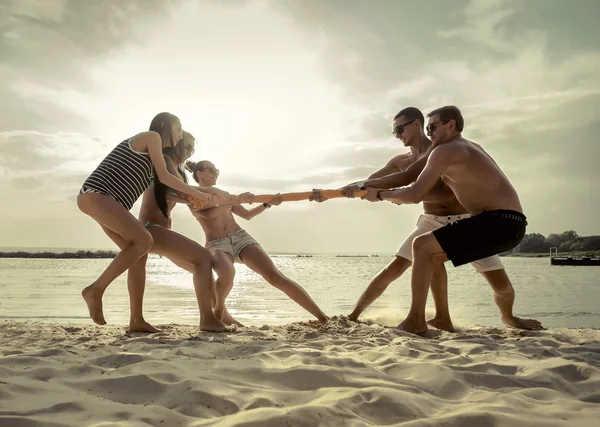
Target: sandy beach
[(344, 374)]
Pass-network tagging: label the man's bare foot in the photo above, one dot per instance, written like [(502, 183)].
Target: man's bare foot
[(215, 326), (527, 324), (94, 303), (413, 326), (142, 326), (443, 324)]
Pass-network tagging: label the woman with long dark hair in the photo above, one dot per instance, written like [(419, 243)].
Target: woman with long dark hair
[(110, 191)]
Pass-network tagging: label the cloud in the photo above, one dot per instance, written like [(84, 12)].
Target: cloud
[(509, 94), (49, 49), (483, 25), (49, 46), (32, 150), (524, 77), (40, 169), (524, 74)]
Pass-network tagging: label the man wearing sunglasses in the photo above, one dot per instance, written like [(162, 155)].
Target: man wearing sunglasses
[(440, 208), (495, 223)]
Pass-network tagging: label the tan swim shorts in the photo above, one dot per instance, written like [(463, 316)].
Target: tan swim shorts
[(233, 243)]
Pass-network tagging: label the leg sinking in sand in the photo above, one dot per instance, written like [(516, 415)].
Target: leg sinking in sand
[(184, 251), (439, 292), (426, 254), (136, 285), (225, 270), (260, 262), (379, 284), (504, 297), (392, 272)]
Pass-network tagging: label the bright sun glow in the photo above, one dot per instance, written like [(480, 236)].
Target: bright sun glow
[(265, 110)]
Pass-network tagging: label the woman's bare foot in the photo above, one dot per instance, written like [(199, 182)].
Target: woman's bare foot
[(215, 326), (527, 324), (227, 318), (222, 314), (323, 319), (94, 303), (142, 326), (443, 324), (413, 326), (353, 317)]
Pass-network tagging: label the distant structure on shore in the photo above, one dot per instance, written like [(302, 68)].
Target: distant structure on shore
[(572, 260)]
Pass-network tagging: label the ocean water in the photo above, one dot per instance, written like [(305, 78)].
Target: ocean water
[(48, 290)]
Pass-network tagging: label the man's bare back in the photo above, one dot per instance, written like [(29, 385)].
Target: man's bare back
[(475, 179)]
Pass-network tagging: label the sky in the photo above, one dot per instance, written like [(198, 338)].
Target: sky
[(292, 95)]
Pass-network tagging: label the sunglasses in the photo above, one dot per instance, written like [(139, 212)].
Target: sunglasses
[(431, 127), (398, 130)]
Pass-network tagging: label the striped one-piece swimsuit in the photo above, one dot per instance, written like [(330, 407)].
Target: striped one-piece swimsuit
[(123, 175)]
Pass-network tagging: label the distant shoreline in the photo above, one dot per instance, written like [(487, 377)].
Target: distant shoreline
[(60, 255), (103, 254)]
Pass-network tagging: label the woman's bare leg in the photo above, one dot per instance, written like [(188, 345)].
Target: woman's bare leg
[(259, 261), (136, 284), (178, 247), (223, 266), (226, 317), (113, 216)]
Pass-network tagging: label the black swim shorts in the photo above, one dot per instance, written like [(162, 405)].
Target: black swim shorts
[(480, 236)]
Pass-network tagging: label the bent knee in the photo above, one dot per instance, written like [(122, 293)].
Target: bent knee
[(224, 271), (226, 274), (145, 241), (422, 243), (201, 257)]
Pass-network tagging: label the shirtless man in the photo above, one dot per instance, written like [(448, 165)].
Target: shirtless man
[(440, 208), (229, 243), (496, 222)]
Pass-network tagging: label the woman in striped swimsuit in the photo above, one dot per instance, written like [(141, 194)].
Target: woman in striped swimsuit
[(182, 251), (109, 193)]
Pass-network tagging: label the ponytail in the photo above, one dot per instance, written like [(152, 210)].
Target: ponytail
[(193, 167)]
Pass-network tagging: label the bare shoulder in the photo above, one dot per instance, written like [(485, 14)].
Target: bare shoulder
[(478, 147), (141, 141), (402, 161), (450, 149)]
